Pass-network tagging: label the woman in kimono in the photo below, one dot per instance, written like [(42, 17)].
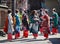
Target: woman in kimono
[(31, 20), (55, 21), (41, 19), (17, 25), (25, 25), (46, 25), (20, 16), (10, 25), (34, 24)]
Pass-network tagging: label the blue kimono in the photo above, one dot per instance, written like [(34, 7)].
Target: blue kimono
[(17, 27)]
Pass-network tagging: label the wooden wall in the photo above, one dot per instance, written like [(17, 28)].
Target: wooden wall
[(3, 14)]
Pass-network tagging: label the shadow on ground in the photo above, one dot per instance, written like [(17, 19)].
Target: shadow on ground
[(55, 40), (22, 40), (3, 41)]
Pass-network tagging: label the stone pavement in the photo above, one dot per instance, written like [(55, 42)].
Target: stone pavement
[(53, 39)]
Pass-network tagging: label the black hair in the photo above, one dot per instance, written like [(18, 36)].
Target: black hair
[(16, 11), (46, 11), (9, 11), (54, 10)]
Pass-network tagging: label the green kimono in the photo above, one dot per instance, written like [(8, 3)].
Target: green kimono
[(55, 19), (31, 19), (20, 15)]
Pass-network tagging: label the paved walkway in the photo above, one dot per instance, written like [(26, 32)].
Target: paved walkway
[(53, 39)]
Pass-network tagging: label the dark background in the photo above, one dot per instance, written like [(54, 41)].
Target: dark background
[(34, 4)]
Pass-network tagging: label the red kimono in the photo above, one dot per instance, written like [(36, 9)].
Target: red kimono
[(6, 29), (25, 32), (6, 25), (46, 25)]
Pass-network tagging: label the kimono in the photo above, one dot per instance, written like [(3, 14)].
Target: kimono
[(25, 25), (24, 21), (40, 25), (31, 22), (17, 26), (25, 32), (20, 16), (55, 23), (10, 27), (6, 25), (46, 25), (34, 25)]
